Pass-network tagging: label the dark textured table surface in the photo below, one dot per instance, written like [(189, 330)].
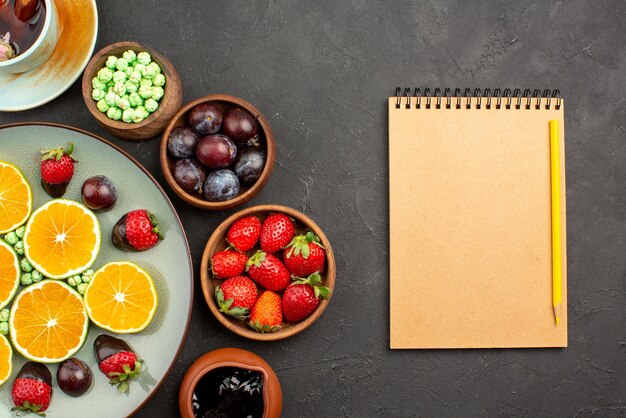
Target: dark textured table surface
[(321, 72)]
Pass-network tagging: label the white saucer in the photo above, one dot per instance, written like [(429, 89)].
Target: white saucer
[(78, 25)]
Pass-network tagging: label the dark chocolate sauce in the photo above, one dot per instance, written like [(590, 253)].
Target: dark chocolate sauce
[(54, 190), (37, 371), (229, 392), (105, 346)]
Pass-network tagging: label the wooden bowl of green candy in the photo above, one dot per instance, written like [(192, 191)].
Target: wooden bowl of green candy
[(132, 90)]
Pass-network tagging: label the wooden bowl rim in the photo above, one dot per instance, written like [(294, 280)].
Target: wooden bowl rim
[(208, 288), (248, 194), (166, 66), (232, 357)]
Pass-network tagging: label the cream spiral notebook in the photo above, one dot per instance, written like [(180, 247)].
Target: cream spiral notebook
[(470, 219)]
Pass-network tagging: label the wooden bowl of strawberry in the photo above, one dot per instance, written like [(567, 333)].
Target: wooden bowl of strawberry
[(268, 272)]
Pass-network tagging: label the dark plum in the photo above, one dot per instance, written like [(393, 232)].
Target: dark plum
[(240, 125), (99, 193), (216, 151), (74, 377), (249, 165), (182, 142), (221, 185), (205, 118), (190, 175)]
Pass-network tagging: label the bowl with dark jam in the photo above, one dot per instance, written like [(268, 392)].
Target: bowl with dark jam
[(230, 383), (29, 31)]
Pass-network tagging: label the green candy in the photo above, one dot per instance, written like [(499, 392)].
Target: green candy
[(114, 113), (135, 99), (139, 114), (129, 56), (19, 247), (96, 83), (123, 103), (102, 105), (151, 105), (119, 89), (72, 281), (144, 58), (158, 80), (145, 92), (157, 93), (81, 288), (131, 87), (37, 276), (11, 238), (145, 82), (97, 94), (128, 71), (135, 77), (148, 72), (139, 67), (105, 74), (20, 231), (119, 77), (4, 315), (156, 67), (111, 60), (121, 64), (87, 274), (26, 266), (26, 279), (127, 115), (4, 328), (110, 98)]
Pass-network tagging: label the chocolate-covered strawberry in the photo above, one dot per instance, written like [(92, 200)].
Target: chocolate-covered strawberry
[(136, 231), (117, 361), (305, 255), (235, 296), (57, 169), (32, 389), (302, 297), (268, 271), (276, 232), (228, 263)]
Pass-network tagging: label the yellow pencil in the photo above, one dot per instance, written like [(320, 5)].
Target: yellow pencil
[(555, 174)]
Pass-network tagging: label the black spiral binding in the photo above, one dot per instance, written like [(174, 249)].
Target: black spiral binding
[(503, 99)]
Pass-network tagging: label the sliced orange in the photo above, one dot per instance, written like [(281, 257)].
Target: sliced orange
[(6, 359), (62, 239), (48, 322), (16, 198), (9, 273), (121, 297)]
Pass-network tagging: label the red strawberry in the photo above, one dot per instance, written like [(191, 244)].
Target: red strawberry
[(305, 255), (276, 232), (117, 361), (136, 231), (236, 296), (302, 297), (228, 263), (268, 271), (32, 389), (266, 314), (244, 233), (57, 169)]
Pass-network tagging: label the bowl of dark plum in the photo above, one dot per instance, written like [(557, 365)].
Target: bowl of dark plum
[(217, 152)]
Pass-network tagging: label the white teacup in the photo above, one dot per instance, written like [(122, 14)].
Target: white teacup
[(39, 52)]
